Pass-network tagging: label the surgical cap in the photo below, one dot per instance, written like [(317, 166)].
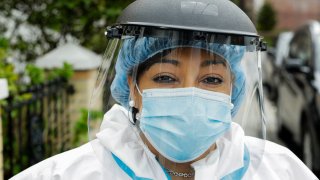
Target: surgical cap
[(135, 51)]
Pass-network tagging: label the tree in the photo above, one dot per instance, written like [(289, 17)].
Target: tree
[(266, 18), (57, 20), (241, 4)]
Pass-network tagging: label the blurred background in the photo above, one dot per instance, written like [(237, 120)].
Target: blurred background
[(50, 51)]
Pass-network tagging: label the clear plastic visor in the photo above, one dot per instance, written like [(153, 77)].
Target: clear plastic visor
[(183, 93)]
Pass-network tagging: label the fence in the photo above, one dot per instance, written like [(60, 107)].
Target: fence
[(35, 128)]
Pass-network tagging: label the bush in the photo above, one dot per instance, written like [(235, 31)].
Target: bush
[(266, 18), (80, 135)]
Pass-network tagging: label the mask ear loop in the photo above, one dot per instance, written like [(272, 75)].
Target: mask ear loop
[(133, 111), (231, 88), (134, 114), (138, 90)]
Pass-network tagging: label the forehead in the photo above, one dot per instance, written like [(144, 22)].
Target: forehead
[(197, 53), (187, 56)]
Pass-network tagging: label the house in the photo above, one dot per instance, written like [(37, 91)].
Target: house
[(290, 13), (85, 64)]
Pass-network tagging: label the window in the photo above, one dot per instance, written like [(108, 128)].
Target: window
[(301, 47), (318, 52)]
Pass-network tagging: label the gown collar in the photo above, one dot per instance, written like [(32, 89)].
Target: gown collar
[(122, 138)]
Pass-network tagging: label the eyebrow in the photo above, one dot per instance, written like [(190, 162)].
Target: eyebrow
[(162, 61), (213, 62), (145, 66)]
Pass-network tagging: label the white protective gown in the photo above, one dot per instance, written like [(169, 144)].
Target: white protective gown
[(118, 136)]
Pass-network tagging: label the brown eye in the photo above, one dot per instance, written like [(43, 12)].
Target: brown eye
[(164, 79), (212, 80)]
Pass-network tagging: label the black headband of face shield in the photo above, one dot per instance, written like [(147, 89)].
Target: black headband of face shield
[(252, 43)]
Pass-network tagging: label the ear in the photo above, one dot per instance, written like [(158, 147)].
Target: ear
[(134, 94), (131, 85), (132, 88)]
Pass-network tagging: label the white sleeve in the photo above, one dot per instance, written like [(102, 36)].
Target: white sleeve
[(80, 163), (41, 171), (277, 162)]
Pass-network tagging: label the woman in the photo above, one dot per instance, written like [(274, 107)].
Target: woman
[(184, 71)]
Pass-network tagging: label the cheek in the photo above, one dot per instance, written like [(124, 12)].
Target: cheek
[(228, 82), (228, 86), (226, 89)]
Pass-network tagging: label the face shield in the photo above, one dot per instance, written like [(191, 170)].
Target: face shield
[(182, 90)]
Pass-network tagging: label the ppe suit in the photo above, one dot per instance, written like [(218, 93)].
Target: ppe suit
[(193, 51), (117, 138)]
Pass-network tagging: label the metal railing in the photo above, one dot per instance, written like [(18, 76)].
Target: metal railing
[(37, 127)]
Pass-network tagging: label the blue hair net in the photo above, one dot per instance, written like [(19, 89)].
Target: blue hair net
[(135, 51)]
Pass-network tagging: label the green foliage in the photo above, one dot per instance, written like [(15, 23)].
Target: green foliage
[(81, 126), (7, 70), (237, 2), (241, 4), (266, 18), (36, 74), (85, 20), (65, 72), (269, 40), (4, 45)]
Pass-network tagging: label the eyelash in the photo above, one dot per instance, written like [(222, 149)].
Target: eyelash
[(166, 79), (212, 80)]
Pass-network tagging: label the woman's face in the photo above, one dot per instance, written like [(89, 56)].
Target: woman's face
[(184, 67), (180, 68)]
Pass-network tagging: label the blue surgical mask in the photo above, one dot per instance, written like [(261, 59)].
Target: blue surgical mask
[(183, 123)]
